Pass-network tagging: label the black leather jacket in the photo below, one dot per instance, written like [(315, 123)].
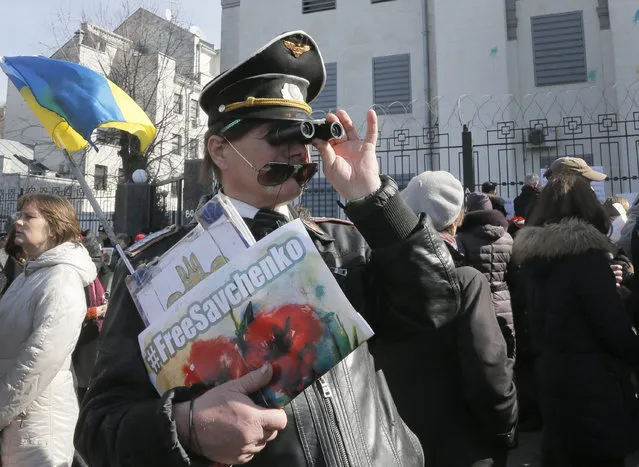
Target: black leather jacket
[(347, 418)]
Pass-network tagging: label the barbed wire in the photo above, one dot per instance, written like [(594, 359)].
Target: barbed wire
[(487, 111)]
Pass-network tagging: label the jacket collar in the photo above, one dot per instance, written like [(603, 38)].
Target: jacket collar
[(570, 237), (458, 259), (249, 212), (246, 210)]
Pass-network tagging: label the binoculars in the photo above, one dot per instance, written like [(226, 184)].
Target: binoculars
[(304, 132)]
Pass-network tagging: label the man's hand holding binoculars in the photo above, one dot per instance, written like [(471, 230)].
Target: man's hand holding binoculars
[(350, 164)]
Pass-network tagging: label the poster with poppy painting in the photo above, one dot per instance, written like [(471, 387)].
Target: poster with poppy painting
[(275, 302)]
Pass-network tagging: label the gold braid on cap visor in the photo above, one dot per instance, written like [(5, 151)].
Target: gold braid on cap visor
[(268, 102)]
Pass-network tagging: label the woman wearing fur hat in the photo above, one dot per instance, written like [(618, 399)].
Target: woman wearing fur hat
[(454, 388), (579, 331)]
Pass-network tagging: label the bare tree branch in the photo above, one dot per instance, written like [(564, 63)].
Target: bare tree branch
[(153, 60)]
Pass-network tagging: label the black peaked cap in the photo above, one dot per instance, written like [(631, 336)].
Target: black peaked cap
[(277, 82)]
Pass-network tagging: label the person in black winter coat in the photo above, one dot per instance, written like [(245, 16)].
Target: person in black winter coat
[(525, 202), (582, 337), (484, 241), (454, 384)]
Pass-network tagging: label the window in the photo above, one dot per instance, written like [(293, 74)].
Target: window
[(391, 83), (313, 6), (194, 148), (559, 49), (194, 113), (100, 177), (327, 99), (177, 103), (176, 144)]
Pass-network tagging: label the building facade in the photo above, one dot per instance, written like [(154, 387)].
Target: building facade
[(531, 80), (160, 64)]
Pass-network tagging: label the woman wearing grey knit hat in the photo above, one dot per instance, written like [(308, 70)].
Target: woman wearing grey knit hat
[(456, 378), (441, 196)]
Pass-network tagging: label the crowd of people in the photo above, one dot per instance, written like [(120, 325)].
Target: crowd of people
[(484, 326)]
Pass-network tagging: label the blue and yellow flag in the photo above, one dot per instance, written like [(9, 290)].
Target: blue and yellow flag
[(72, 101)]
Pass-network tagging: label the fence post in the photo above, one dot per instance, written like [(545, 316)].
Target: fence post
[(468, 162), (180, 190)]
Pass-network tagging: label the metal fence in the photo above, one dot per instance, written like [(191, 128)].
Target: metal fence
[(511, 137), (165, 209), (8, 206), (166, 203), (503, 154), (507, 153), (88, 219)]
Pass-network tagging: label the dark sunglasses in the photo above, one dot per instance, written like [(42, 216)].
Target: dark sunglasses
[(276, 173)]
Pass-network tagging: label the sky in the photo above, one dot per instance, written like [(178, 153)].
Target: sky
[(38, 27)]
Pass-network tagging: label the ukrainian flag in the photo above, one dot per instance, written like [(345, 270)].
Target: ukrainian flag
[(72, 101)]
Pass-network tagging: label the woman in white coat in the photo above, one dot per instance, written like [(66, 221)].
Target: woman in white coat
[(40, 319)]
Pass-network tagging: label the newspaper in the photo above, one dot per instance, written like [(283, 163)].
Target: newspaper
[(162, 285), (275, 302)]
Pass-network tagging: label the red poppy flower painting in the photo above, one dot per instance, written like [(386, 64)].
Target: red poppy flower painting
[(285, 336), (213, 361)]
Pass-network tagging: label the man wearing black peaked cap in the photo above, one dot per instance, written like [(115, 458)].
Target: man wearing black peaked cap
[(390, 263)]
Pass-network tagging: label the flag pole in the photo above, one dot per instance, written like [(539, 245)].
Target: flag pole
[(98, 210)]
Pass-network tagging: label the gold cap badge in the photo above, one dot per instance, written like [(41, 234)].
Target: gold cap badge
[(297, 49)]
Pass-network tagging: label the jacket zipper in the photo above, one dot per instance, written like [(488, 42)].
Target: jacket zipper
[(340, 271), (332, 421)]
